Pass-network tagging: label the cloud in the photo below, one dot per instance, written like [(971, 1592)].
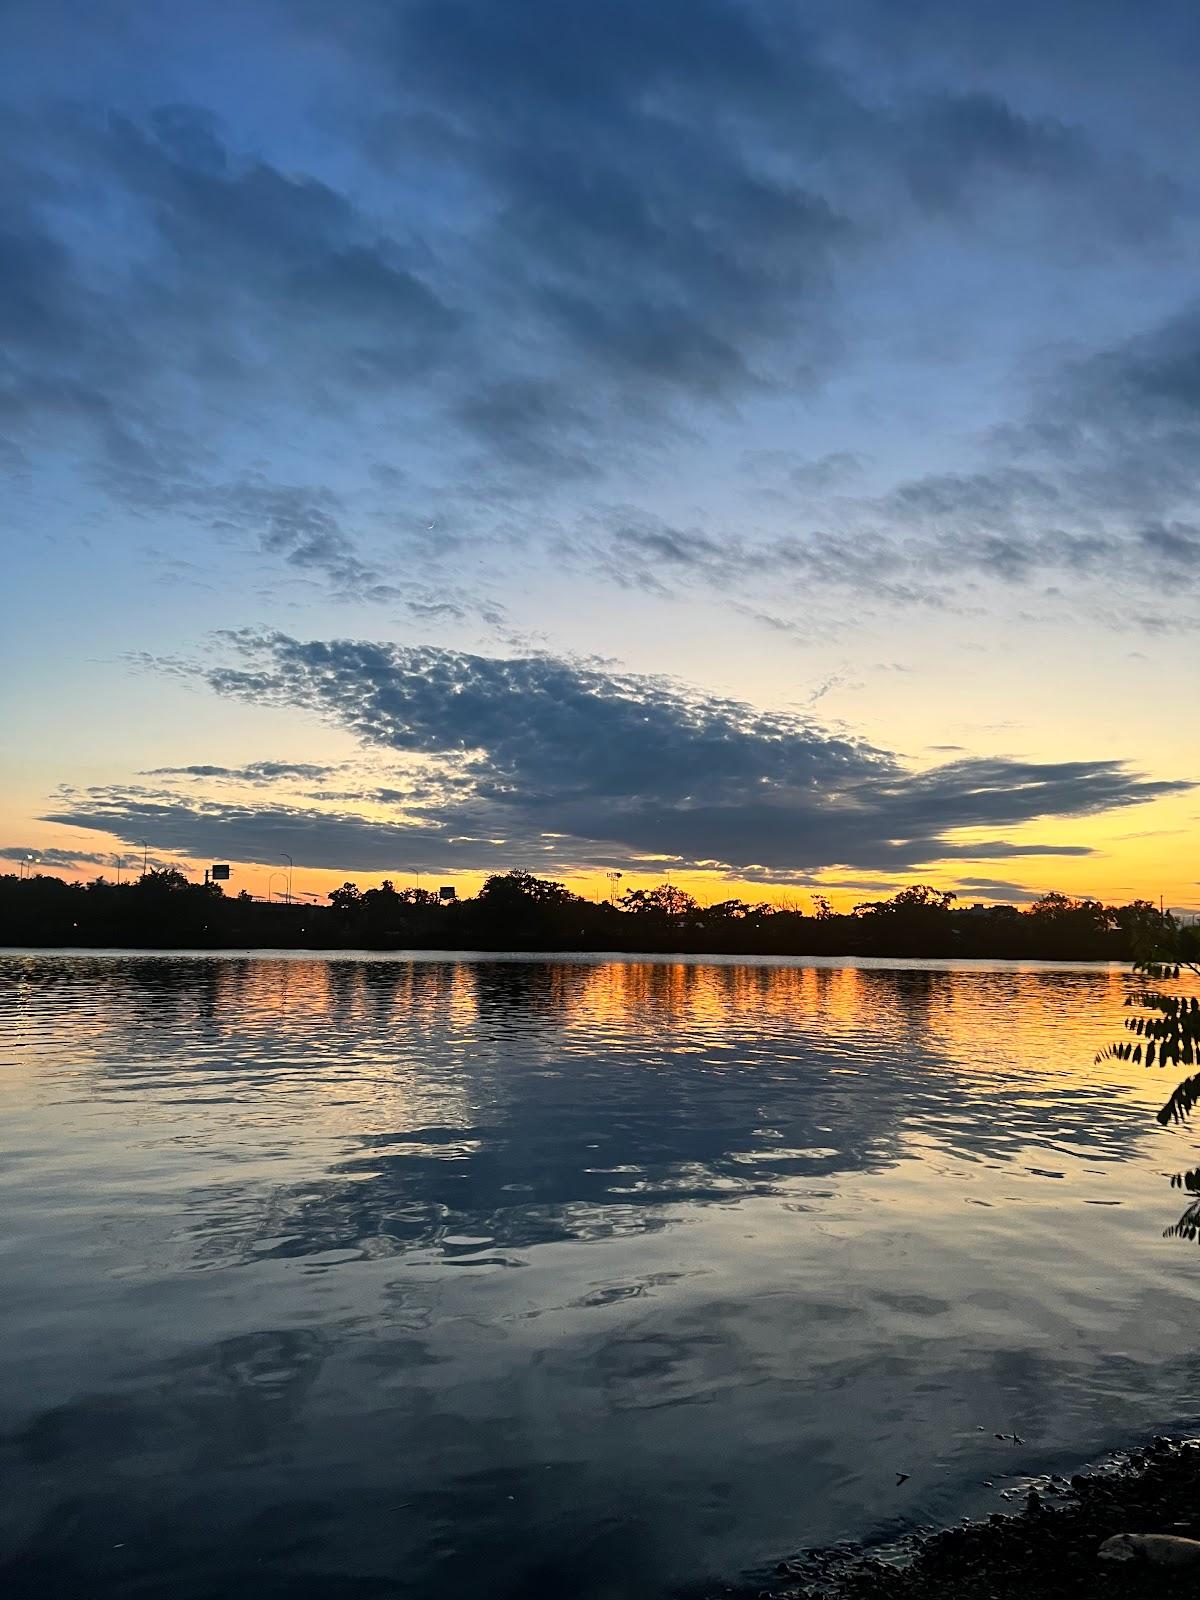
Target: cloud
[(565, 761), (257, 772), (532, 247), (40, 857), (1097, 484), (43, 857), (304, 526), (317, 838), (996, 889), (231, 260), (648, 553), (674, 197), (232, 285), (301, 524)]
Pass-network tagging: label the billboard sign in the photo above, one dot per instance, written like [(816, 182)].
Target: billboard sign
[(220, 874), (447, 892)]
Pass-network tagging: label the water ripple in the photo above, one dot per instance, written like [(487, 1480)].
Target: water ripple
[(381, 1273)]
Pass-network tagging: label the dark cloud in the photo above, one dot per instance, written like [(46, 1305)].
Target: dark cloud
[(1083, 45), (956, 145), (539, 725), (325, 289), (585, 229), (257, 772), (539, 427), (674, 191), (993, 889), (302, 525), (305, 527), (317, 838), (1097, 484), (649, 238), (571, 762), (234, 286), (647, 553), (231, 261), (41, 857)]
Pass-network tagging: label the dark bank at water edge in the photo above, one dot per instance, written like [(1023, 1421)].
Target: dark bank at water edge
[(1049, 1550), (518, 911)]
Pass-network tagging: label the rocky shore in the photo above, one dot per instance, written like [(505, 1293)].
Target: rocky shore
[(1047, 1551)]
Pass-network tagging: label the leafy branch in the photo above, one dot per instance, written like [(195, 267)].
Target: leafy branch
[(1166, 1029)]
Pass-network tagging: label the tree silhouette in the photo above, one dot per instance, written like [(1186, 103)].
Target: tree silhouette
[(519, 910), (666, 901), (918, 900), (1166, 1028), (520, 889)]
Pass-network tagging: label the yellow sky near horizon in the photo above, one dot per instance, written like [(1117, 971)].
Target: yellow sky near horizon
[(1128, 864), (1015, 692)]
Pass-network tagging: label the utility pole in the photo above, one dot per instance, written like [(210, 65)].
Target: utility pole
[(614, 879)]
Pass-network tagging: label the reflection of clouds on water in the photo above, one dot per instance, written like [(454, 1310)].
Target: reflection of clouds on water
[(480, 1109), (576, 1275), (222, 1404)]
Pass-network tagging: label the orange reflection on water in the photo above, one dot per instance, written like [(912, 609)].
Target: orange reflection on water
[(1036, 1018), (1027, 1021)]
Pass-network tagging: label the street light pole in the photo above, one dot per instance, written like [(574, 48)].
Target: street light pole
[(270, 891), (145, 854), (291, 864)]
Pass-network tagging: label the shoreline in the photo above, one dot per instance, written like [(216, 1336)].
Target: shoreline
[(1046, 1550), (477, 952)]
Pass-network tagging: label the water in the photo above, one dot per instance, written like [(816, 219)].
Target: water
[(376, 1276)]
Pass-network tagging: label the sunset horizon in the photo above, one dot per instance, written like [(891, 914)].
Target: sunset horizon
[(356, 805)]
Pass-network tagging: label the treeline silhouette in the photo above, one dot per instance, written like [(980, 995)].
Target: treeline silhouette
[(518, 911)]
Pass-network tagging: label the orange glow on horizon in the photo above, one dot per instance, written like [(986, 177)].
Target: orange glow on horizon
[(1127, 862)]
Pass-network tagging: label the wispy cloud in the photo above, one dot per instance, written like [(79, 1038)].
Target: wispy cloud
[(255, 772)]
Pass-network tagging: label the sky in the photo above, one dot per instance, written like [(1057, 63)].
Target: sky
[(719, 440)]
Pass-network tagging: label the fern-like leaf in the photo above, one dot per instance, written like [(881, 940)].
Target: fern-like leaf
[(1184, 1099), (1188, 1226)]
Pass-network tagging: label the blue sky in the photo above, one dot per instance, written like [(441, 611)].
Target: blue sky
[(819, 391)]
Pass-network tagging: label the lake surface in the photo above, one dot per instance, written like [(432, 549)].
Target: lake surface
[(361, 1277)]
